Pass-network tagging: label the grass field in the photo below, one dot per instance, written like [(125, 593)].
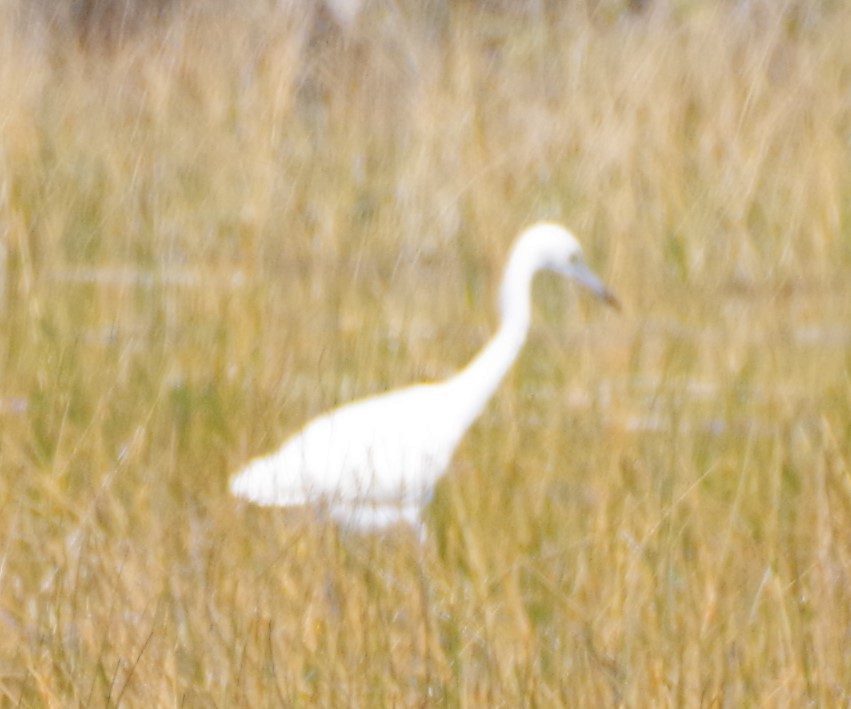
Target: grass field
[(223, 221)]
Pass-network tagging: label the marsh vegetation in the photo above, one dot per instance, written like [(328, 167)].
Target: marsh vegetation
[(230, 219)]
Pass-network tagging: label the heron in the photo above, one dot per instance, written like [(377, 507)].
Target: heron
[(374, 462)]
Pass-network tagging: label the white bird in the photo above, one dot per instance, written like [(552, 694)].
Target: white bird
[(374, 462)]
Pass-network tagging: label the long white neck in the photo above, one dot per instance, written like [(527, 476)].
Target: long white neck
[(474, 385)]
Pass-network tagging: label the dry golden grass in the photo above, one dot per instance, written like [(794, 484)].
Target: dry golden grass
[(234, 219)]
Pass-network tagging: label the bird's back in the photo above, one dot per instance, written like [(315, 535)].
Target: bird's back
[(386, 449)]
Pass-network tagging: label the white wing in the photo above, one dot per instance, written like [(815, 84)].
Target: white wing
[(387, 449)]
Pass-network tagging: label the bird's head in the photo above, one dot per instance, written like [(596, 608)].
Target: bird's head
[(553, 247)]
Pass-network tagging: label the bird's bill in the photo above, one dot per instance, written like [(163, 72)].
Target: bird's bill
[(584, 275)]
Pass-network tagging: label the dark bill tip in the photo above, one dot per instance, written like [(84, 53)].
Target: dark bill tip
[(609, 299)]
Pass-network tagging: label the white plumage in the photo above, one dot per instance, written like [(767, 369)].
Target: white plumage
[(375, 461)]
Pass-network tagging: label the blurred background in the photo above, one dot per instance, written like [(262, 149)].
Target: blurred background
[(218, 220)]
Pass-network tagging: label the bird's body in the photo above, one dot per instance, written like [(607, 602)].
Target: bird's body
[(377, 457), (372, 462)]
